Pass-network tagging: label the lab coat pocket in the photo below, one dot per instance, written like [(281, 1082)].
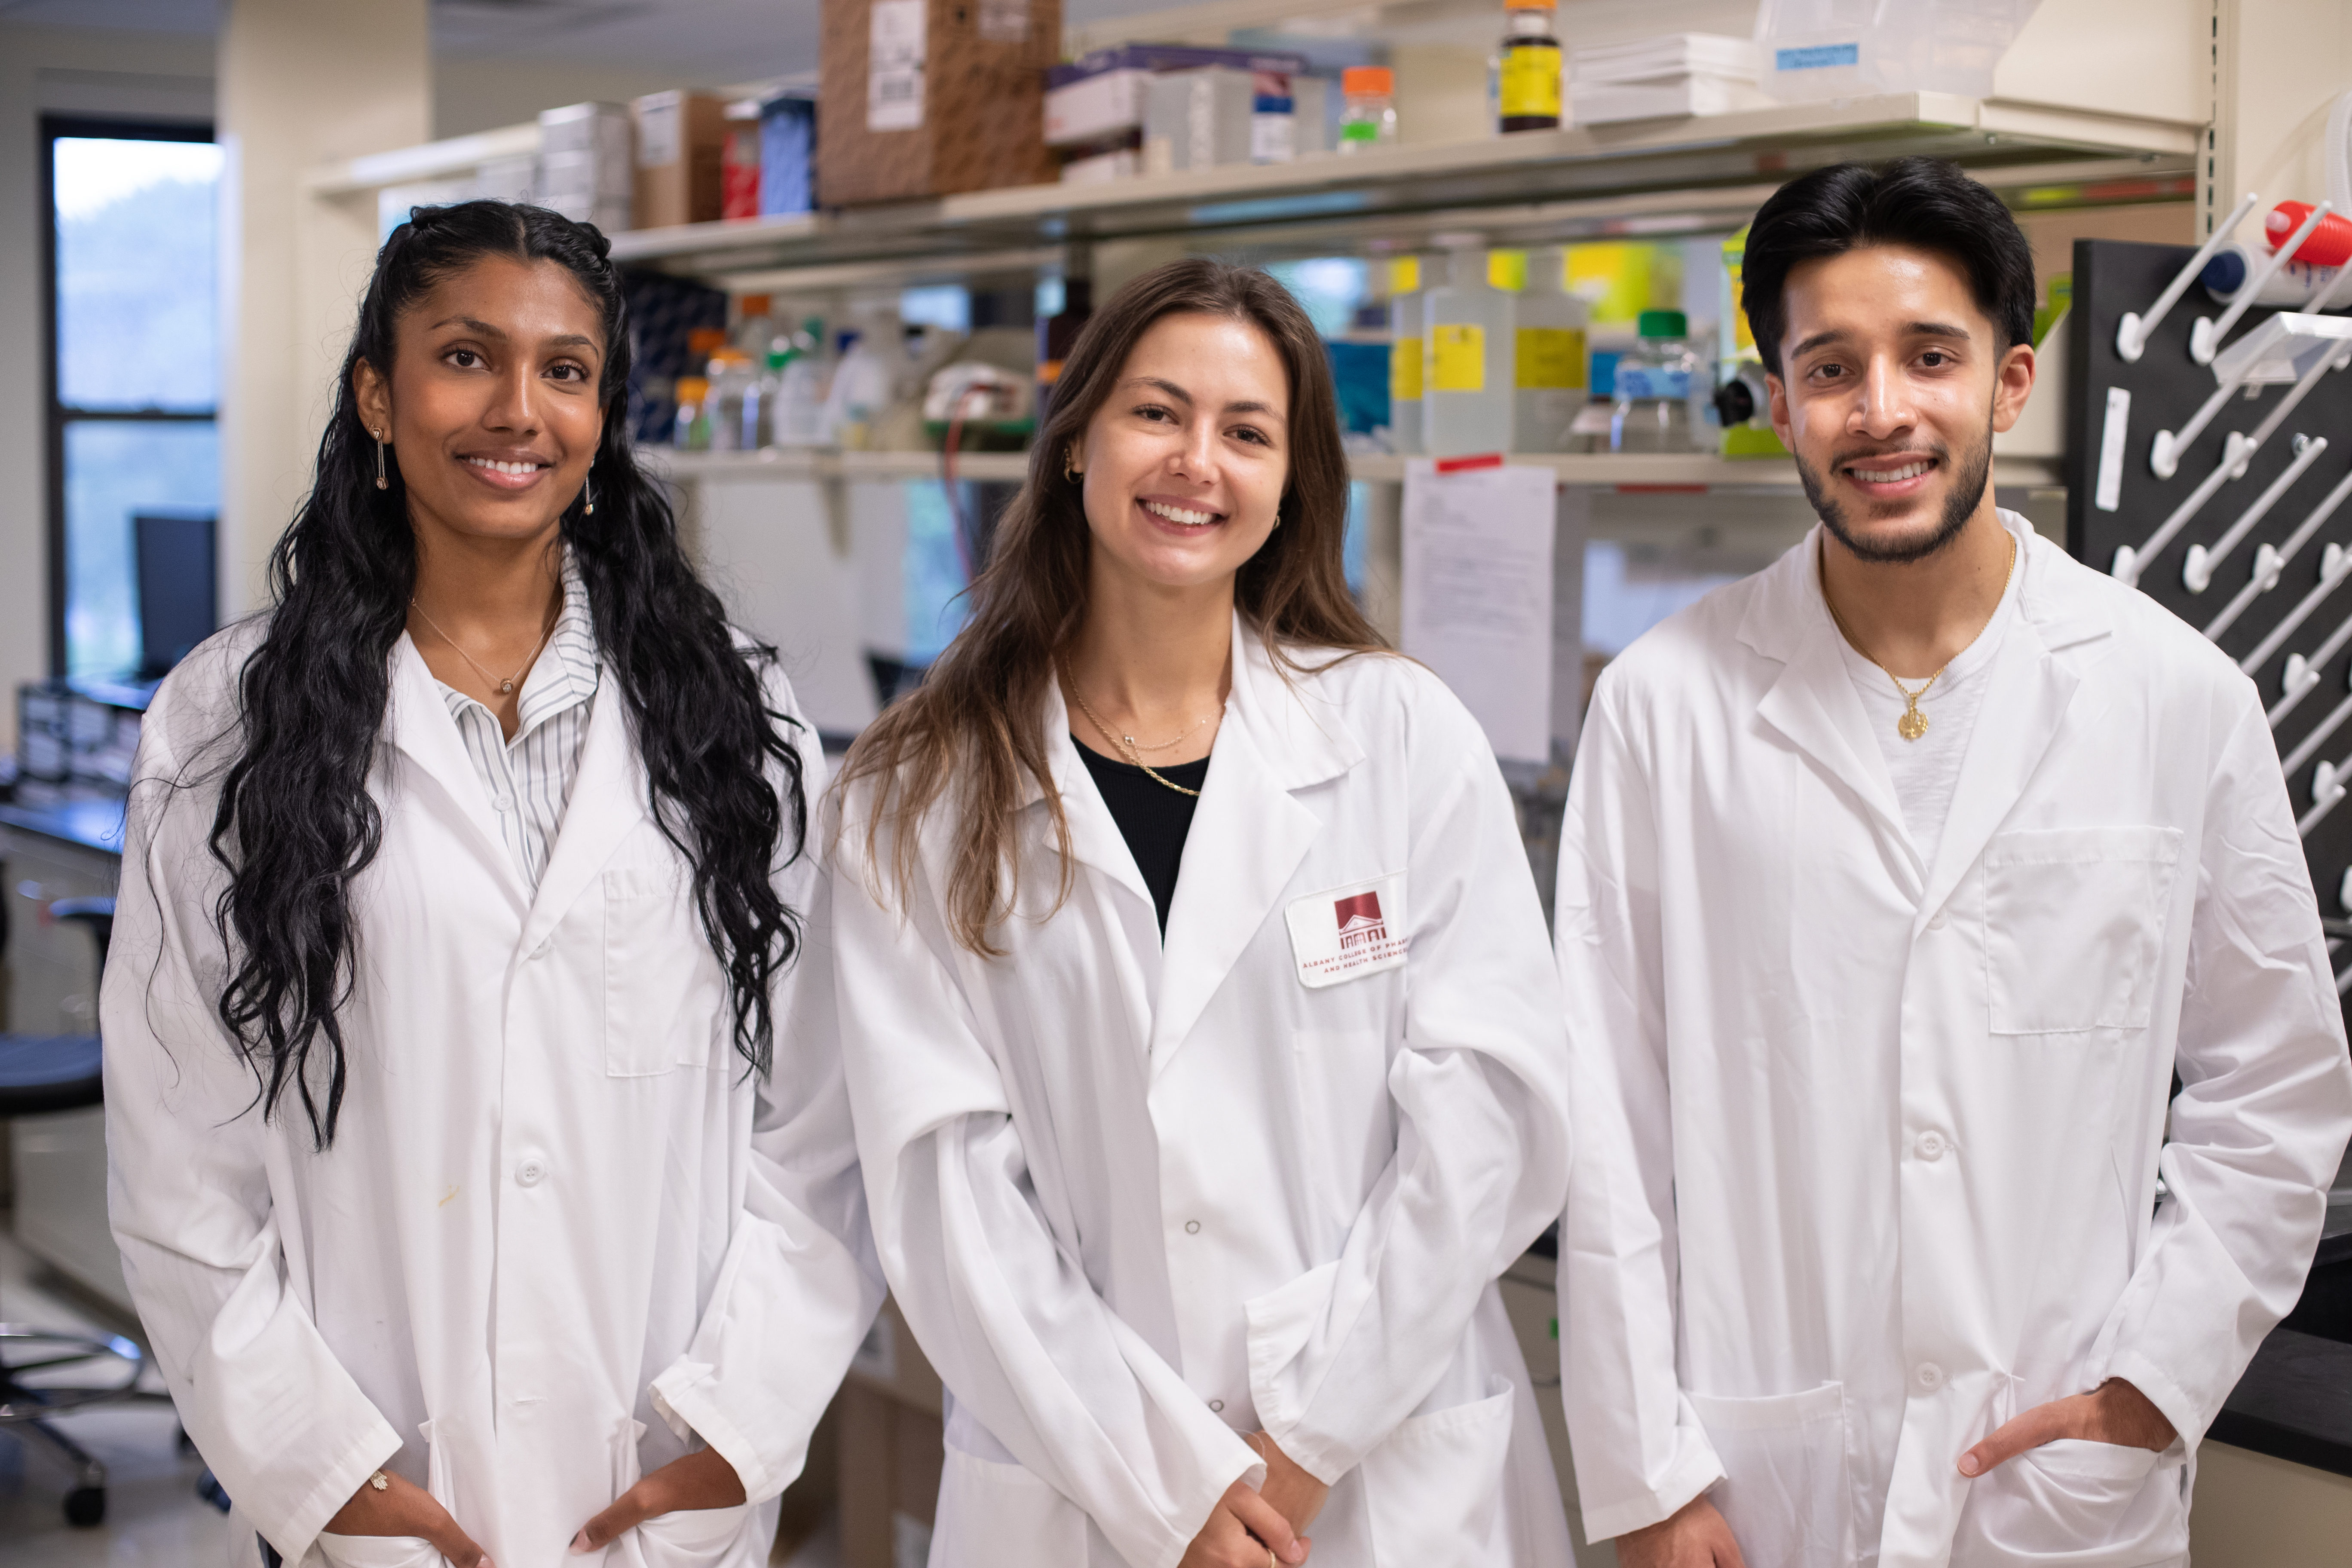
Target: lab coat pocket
[(662, 990), (398, 1551), (379, 1552), (2074, 926), (700, 1538), (1783, 1491), (994, 1515), (1434, 1489), (2089, 1505)]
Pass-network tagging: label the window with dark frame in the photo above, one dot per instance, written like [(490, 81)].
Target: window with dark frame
[(131, 312)]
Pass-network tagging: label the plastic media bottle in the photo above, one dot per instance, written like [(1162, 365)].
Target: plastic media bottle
[(733, 381), (1527, 73), (1548, 361), (1466, 357), (1655, 384), (692, 431), (1405, 297), (1368, 116), (759, 403)]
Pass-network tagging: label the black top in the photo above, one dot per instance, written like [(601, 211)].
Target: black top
[(1151, 817)]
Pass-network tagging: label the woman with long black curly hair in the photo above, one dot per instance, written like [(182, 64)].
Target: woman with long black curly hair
[(477, 1191)]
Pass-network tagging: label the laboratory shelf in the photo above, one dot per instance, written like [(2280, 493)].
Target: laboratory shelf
[(1638, 472), (1628, 177)]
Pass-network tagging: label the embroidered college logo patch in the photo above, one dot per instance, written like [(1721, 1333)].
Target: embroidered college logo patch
[(1345, 933)]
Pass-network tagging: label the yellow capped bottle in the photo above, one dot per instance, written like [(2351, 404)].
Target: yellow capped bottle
[(1528, 80)]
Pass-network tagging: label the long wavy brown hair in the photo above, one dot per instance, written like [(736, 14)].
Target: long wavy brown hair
[(978, 719)]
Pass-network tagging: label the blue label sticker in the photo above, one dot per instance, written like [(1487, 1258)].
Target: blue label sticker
[(1816, 56)]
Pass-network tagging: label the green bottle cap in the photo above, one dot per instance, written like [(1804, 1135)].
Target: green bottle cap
[(1662, 324)]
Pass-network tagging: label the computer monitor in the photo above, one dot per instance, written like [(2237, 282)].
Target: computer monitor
[(178, 581)]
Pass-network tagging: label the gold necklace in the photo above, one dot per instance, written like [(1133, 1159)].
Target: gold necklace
[(1913, 723), (1127, 742), (509, 683)]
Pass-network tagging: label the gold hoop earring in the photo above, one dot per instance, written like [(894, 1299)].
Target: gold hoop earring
[(381, 482)]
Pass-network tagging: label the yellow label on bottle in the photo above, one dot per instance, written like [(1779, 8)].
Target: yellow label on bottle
[(1405, 275), (1458, 358), (1506, 270), (1550, 358), (1404, 371), (1530, 82)]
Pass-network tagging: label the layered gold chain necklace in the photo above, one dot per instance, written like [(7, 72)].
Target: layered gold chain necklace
[(1127, 745), (1913, 723)]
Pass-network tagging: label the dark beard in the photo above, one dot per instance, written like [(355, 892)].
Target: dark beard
[(1968, 491)]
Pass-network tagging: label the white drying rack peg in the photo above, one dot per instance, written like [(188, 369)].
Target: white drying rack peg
[(2311, 744), (2302, 673), (2197, 575), (2131, 562), (2270, 563), (2164, 452), (2327, 787), (2205, 336), (2133, 332), (2335, 565)]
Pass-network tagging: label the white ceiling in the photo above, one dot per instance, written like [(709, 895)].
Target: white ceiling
[(740, 40)]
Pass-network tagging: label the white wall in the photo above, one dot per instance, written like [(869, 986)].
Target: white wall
[(60, 71), (301, 84), (484, 94)]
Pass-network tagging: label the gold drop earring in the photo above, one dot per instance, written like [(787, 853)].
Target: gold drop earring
[(1070, 470), (587, 496), (381, 482)]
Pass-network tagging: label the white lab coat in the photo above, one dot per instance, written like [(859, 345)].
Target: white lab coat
[(1868, 1150), (1137, 1201), (561, 1228)]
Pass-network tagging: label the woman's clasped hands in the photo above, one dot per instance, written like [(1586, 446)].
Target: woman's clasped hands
[(1270, 1519)]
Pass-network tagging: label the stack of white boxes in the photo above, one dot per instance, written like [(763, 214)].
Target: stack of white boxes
[(1680, 73), (587, 164)]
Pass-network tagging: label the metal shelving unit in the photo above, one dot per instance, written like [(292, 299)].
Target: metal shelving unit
[(1678, 472), (1637, 176)]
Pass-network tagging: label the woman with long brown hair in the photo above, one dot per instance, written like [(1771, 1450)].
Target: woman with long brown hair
[(1201, 1031)]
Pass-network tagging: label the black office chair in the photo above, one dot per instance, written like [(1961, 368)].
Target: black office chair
[(40, 1074)]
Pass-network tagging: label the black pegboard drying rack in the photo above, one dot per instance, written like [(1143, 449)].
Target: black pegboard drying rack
[(2312, 718)]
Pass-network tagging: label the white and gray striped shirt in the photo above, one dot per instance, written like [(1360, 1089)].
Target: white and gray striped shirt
[(529, 777)]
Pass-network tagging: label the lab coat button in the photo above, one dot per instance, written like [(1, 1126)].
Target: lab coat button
[(1929, 1377), (1930, 1146), (530, 1173), (1937, 921), (1216, 1404), (1191, 1228)]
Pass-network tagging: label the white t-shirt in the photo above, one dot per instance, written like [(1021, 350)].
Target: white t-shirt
[(1926, 770)]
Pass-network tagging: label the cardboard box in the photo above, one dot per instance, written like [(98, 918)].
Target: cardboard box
[(681, 137), (926, 98)]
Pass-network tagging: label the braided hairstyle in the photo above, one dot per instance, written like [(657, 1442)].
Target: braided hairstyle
[(295, 823)]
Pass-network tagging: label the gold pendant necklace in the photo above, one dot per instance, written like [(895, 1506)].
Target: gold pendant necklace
[(1126, 743), (507, 685), (1913, 723)]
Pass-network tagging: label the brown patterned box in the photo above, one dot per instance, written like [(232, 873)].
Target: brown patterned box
[(926, 97)]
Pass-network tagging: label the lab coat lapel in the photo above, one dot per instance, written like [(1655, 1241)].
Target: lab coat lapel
[(1813, 702), (1095, 839), (607, 803), (425, 734), (1248, 834), (2028, 690)]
